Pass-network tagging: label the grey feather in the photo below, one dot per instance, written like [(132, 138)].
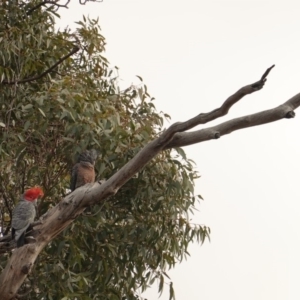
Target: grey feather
[(23, 215), (88, 156)]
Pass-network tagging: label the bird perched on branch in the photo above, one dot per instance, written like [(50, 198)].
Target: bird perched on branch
[(24, 213), (83, 171)]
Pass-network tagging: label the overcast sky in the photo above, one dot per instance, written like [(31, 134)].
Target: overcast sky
[(193, 55)]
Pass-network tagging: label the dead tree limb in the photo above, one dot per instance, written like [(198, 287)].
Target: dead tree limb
[(228, 103), (285, 110), (63, 214)]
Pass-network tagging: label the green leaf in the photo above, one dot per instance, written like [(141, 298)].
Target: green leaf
[(171, 292), (161, 284), (27, 107), (26, 125), (181, 152), (157, 206), (43, 114)]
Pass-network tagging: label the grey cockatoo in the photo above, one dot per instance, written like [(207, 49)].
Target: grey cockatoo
[(24, 213), (83, 171)]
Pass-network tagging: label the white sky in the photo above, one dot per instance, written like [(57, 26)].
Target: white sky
[(192, 55)]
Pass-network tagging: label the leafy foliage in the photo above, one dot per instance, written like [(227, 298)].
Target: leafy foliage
[(128, 242)]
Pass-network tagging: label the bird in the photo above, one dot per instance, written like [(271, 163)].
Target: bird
[(83, 171), (24, 213)]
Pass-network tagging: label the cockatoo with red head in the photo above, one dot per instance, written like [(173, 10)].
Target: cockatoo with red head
[(24, 213)]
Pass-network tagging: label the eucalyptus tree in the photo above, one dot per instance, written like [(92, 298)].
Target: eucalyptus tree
[(59, 96)]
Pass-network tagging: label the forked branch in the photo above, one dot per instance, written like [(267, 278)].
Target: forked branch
[(283, 111)]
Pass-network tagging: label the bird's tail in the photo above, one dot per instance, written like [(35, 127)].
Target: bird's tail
[(13, 233), (21, 240)]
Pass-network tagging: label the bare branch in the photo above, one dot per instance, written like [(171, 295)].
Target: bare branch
[(229, 102), (83, 2), (267, 73), (30, 11), (282, 111), (74, 50)]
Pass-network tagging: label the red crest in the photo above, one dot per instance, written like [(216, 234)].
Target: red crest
[(33, 193)]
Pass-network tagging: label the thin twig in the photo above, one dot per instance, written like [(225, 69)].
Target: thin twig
[(30, 11), (75, 49), (6, 203)]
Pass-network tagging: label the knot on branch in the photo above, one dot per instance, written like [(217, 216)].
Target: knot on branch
[(76, 48), (217, 135), (26, 269), (291, 114)]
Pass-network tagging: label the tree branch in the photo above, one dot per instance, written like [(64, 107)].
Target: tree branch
[(229, 102), (74, 50), (83, 2), (30, 11), (282, 111)]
